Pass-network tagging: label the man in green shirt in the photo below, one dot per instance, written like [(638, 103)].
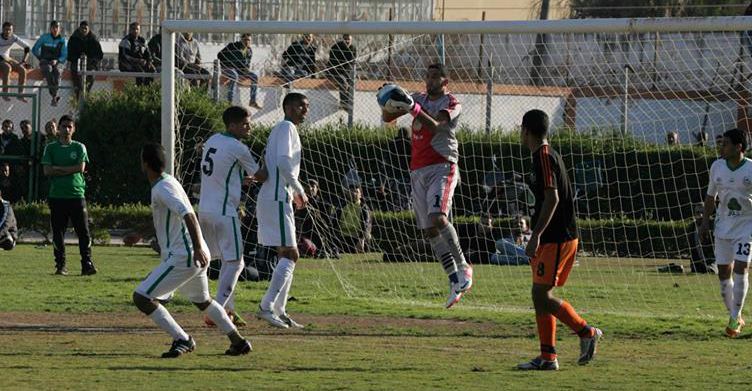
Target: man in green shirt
[(64, 162)]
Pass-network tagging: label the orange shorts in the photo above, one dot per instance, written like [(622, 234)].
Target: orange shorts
[(553, 262)]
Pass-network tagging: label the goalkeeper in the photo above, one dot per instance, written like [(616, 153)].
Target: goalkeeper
[(433, 169)]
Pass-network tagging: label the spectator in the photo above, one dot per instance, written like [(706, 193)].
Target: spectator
[(84, 42), (512, 252), (64, 162), (314, 222), (8, 227), (235, 60), (188, 58), (20, 169), (299, 60), (155, 48), (52, 52), (341, 61), (353, 222), (8, 184), (672, 138), (27, 138), (8, 64), (134, 55), (50, 131), (8, 139)]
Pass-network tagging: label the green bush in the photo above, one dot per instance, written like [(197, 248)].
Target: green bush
[(639, 180)]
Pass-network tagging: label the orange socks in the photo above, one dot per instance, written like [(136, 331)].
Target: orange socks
[(547, 335), (569, 317)]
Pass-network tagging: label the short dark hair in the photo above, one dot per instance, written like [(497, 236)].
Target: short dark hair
[(153, 155), (67, 118), (439, 67), (7, 24), (24, 122), (313, 182), (54, 23), (234, 114), (536, 123), (134, 24), (737, 137), (7, 121), (83, 23), (246, 35), (292, 98)]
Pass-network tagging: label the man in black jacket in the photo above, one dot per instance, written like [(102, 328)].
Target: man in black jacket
[(134, 55), (84, 42), (299, 60), (8, 228), (235, 60), (341, 61)]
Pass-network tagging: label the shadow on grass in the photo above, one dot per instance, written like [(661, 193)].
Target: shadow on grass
[(225, 369)]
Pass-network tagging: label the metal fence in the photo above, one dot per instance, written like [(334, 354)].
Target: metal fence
[(110, 19)]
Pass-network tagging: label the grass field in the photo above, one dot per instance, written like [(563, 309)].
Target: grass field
[(370, 326)]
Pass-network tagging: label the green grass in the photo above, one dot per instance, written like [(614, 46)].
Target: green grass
[(370, 325)]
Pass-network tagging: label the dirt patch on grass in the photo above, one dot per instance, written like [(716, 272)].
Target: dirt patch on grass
[(14, 322)]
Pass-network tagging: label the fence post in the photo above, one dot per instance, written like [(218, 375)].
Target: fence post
[(215, 81), (489, 95), (82, 76), (351, 95)]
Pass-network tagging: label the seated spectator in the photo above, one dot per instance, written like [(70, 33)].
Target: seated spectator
[(235, 60), (299, 60), (51, 51), (8, 64), (84, 42), (188, 58), (8, 226), (22, 147), (155, 48), (8, 139), (341, 60), (353, 222), (512, 252), (672, 138), (7, 183), (134, 55)]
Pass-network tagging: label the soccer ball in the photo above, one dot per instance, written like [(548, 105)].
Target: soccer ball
[(385, 95)]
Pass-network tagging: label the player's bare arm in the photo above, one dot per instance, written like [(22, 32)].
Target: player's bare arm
[(200, 253), (261, 175), (433, 124), (550, 200), (707, 211)]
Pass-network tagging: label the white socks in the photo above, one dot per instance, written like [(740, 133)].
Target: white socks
[(741, 285), (727, 293), (164, 320), (228, 278), (217, 313), (443, 253), (282, 273), (280, 305), (449, 234)]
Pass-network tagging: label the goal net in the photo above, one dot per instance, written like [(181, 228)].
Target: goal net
[(635, 108)]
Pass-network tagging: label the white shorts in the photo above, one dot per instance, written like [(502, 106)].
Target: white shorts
[(276, 223), (432, 190), (222, 235), (727, 250), (176, 272)]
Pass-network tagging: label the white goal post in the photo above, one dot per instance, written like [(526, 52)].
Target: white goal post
[(624, 25)]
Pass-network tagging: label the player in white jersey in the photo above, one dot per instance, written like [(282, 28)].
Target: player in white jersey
[(274, 209), (184, 261), (224, 161), (433, 171), (731, 181), (8, 64)]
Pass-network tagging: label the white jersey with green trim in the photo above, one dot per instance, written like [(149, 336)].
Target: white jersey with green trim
[(734, 190), (282, 158), (223, 161), (169, 205)]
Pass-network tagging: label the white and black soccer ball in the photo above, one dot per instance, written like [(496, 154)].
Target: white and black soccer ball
[(393, 98)]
